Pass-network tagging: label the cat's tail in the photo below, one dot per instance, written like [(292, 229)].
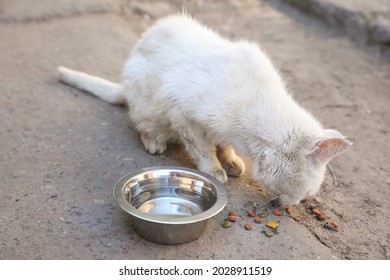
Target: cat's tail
[(110, 92)]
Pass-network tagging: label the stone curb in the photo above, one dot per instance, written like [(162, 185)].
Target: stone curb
[(45, 10), (366, 25)]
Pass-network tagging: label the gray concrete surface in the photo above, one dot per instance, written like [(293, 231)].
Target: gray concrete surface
[(62, 150), (365, 21)]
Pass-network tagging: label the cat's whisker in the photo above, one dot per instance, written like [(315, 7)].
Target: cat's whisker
[(332, 174)]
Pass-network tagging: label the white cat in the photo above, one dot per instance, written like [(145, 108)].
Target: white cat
[(185, 82)]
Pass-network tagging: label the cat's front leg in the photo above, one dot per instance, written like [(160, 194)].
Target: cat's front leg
[(202, 151), (213, 167), (233, 164), (152, 146)]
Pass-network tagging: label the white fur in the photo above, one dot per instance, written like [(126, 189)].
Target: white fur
[(106, 90), (185, 82)]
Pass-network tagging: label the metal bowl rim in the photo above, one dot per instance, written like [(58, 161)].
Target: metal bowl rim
[(221, 197)]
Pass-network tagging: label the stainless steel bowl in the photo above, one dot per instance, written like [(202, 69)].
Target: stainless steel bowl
[(170, 205)]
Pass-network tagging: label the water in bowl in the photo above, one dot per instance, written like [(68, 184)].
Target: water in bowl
[(173, 202)]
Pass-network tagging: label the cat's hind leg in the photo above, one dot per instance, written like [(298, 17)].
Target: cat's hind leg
[(233, 164)]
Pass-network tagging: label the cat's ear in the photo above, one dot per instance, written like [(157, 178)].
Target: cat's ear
[(331, 145)]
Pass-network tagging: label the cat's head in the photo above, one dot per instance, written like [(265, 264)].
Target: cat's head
[(296, 169)]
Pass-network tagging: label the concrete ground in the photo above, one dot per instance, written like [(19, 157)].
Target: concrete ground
[(62, 150), (364, 21)]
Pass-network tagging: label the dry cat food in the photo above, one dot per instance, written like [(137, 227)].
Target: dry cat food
[(269, 233), (321, 216), (251, 213), (227, 224), (258, 220), (334, 225), (272, 225), (289, 210), (297, 219), (263, 214), (278, 212), (232, 218), (315, 211), (248, 226), (233, 213)]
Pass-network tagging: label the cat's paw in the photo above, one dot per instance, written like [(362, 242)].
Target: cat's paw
[(232, 163), (219, 173), (234, 167), (152, 146)]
